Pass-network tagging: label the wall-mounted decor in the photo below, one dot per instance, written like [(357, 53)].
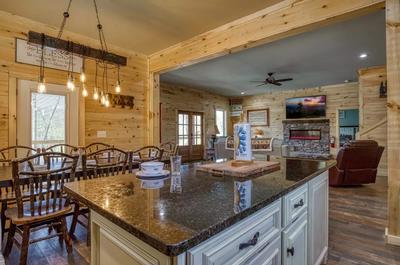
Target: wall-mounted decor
[(29, 53), (258, 117), (121, 100)]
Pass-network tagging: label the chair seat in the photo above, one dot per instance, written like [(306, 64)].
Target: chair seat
[(12, 213)]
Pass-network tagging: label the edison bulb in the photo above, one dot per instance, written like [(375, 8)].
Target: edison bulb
[(41, 87), (95, 94), (107, 103), (83, 77), (70, 83), (84, 91), (118, 87), (102, 99)]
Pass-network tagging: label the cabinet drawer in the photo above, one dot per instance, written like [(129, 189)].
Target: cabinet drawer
[(294, 204), (270, 254), (228, 248)]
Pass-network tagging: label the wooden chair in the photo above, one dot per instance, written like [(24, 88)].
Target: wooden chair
[(103, 163), (14, 152), (169, 149), (7, 194), (63, 148), (149, 153), (47, 206), (94, 147)]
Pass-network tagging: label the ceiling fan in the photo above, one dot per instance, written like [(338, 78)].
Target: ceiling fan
[(271, 80)]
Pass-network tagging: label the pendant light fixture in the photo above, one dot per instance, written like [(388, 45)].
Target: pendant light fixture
[(118, 84), (70, 80), (105, 60), (42, 84)]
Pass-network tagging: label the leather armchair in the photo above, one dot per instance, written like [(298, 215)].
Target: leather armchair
[(357, 163)]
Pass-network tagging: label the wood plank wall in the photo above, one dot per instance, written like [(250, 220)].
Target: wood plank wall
[(126, 128), (393, 112), (373, 110), (177, 97), (338, 96)]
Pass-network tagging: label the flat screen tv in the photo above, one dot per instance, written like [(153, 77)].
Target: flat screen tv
[(306, 107)]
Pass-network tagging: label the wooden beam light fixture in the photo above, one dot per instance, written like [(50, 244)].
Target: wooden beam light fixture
[(105, 60)]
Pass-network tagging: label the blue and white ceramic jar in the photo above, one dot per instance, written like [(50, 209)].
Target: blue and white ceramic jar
[(242, 139)]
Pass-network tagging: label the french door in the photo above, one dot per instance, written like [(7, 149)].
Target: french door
[(190, 135), (46, 119)]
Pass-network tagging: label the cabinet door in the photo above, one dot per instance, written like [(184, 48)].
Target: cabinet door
[(318, 192), (294, 250)]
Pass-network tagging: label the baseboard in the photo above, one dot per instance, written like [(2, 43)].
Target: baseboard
[(391, 239)]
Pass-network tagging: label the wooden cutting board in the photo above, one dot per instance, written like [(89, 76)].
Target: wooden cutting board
[(226, 168)]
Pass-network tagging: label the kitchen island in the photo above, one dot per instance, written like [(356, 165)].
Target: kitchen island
[(277, 218)]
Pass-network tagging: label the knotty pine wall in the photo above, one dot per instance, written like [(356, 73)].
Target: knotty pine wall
[(177, 97), (126, 128), (373, 110), (338, 96)]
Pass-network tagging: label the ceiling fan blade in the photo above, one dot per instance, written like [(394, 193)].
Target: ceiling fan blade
[(257, 81), (277, 84), (284, 80), (263, 84)]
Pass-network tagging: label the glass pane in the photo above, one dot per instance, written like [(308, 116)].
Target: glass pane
[(186, 119), (180, 118), (180, 131), (220, 120), (48, 119)]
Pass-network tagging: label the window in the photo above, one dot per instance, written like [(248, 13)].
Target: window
[(183, 129), (220, 120), (196, 129), (48, 119)]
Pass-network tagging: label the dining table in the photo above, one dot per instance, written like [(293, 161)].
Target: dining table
[(6, 184)]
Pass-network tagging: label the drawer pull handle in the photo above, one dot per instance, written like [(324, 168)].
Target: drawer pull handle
[(290, 251), (251, 242), (299, 204)]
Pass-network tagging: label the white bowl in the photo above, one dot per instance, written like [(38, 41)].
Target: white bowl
[(152, 167)]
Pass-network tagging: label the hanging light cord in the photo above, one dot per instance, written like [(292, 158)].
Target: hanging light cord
[(64, 21), (41, 72), (102, 38)]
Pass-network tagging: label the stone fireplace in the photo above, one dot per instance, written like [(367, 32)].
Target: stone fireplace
[(306, 138)]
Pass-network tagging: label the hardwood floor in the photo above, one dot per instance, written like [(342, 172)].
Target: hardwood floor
[(356, 233), (357, 219)]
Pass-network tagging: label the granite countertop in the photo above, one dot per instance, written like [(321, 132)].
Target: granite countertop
[(175, 222)]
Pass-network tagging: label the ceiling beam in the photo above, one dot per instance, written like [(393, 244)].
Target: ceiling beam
[(284, 19)]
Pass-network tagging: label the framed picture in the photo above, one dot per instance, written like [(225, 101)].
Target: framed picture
[(258, 117)]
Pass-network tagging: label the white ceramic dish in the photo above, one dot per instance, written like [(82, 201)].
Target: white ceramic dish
[(152, 167), (146, 175)]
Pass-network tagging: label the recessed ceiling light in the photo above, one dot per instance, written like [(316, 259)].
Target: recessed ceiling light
[(242, 93), (363, 55), (347, 81)]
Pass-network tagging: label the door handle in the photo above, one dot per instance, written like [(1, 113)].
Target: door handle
[(290, 251), (251, 242), (299, 204)]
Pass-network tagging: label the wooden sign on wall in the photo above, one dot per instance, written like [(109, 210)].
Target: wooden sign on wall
[(29, 53), (121, 100)]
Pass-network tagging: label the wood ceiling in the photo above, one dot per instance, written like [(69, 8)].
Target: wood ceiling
[(143, 26)]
